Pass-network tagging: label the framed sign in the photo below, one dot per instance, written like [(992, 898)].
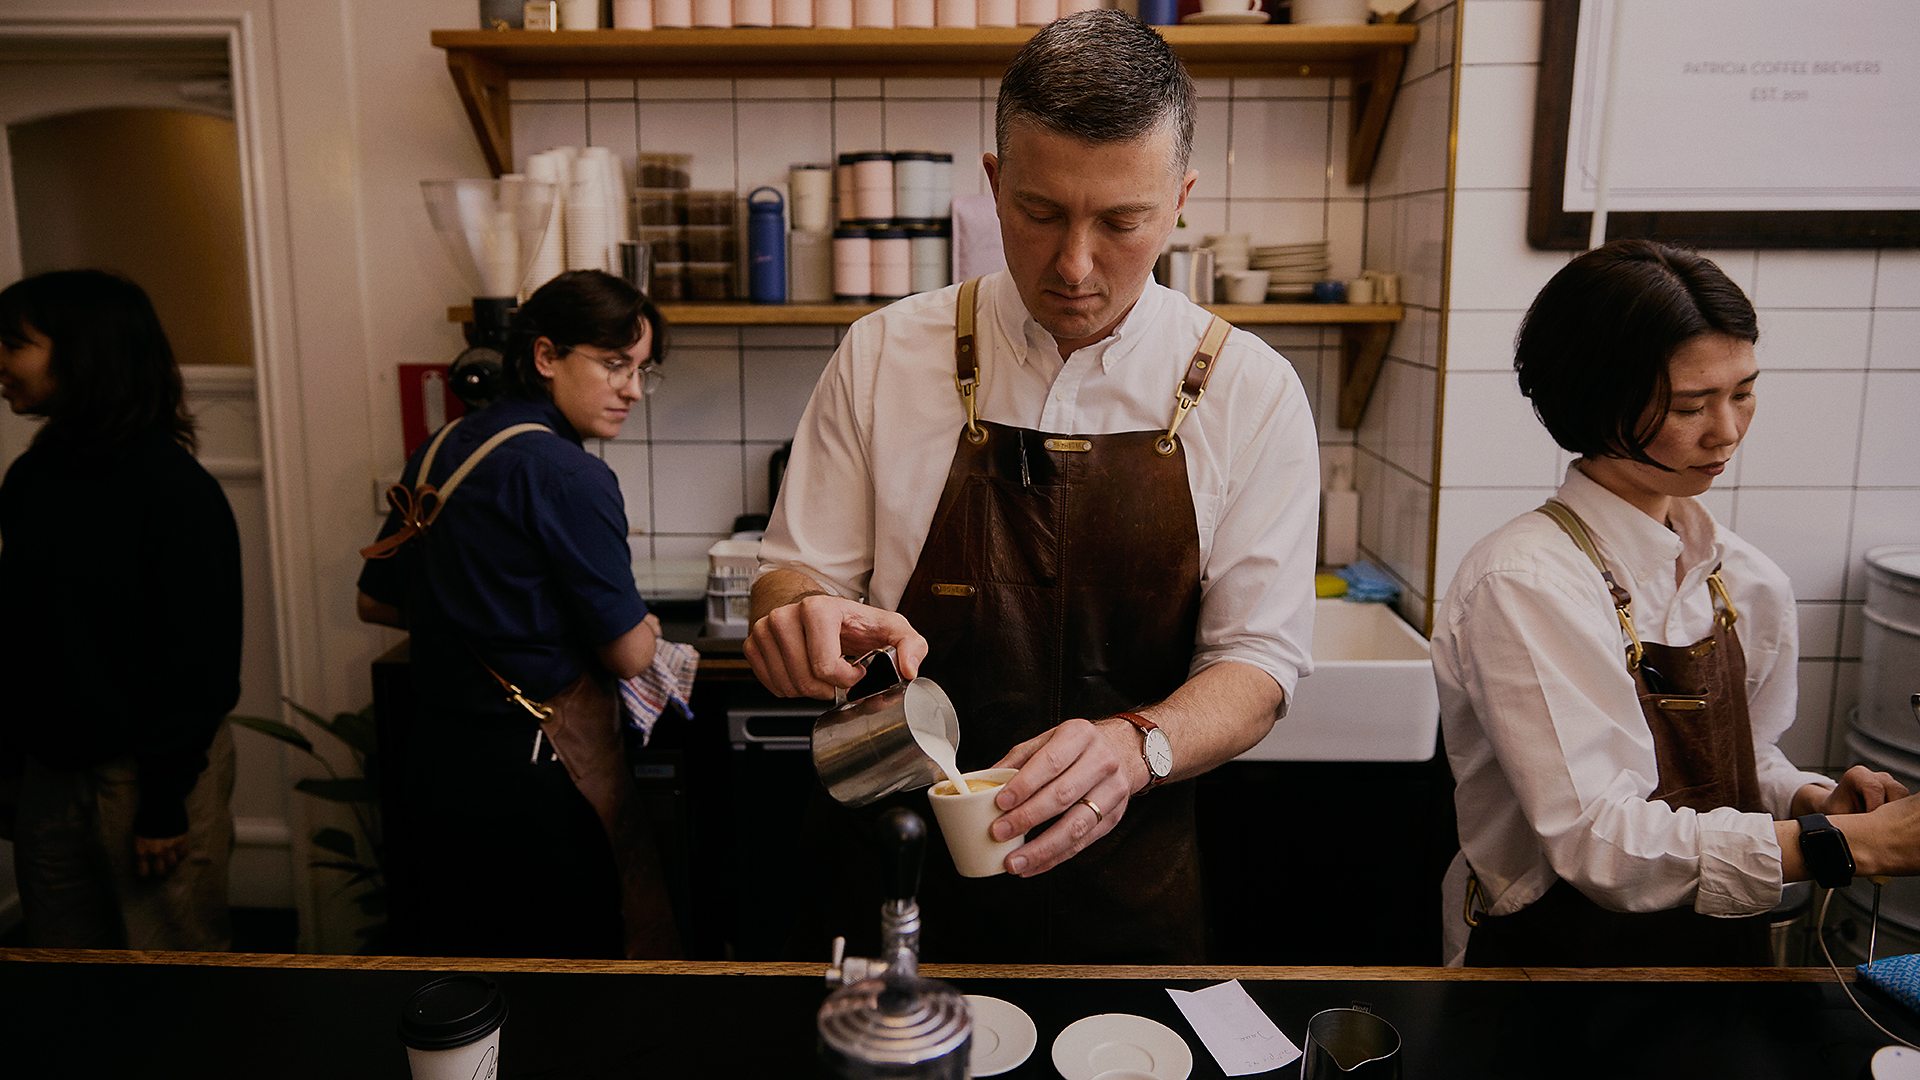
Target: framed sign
[(1734, 123)]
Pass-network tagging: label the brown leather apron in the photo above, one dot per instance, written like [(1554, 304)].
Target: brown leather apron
[(1060, 578), (1694, 700)]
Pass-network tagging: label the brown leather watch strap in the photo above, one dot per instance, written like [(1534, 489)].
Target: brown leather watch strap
[(1145, 725)]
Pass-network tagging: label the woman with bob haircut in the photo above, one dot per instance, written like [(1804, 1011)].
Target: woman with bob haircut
[(1616, 668), (120, 621), (518, 573)]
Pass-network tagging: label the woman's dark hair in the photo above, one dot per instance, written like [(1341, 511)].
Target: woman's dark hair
[(1592, 352), (579, 307), (114, 374), (1099, 76)]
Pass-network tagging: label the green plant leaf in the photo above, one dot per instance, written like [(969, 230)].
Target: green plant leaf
[(344, 790), (337, 864), (274, 729), (313, 718), (354, 729), (338, 841)]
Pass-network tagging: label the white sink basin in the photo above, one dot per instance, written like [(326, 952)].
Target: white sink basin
[(1371, 695)]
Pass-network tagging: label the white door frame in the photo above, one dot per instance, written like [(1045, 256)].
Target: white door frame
[(275, 369)]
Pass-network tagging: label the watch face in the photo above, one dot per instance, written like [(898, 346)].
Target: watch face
[(1159, 753)]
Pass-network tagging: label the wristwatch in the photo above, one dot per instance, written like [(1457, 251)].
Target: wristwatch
[(1824, 848), (1155, 750)]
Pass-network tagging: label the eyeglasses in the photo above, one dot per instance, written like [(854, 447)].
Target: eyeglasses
[(622, 371)]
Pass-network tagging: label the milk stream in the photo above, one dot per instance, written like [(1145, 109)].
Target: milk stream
[(929, 731)]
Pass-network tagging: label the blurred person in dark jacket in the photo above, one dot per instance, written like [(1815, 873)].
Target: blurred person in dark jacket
[(120, 623)]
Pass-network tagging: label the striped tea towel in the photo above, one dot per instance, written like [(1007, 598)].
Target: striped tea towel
[(669, 681)]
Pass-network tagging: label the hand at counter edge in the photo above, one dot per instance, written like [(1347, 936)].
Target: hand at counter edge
[(801, 636)]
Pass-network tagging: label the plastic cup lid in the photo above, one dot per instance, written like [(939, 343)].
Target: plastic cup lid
[(451, 1012)]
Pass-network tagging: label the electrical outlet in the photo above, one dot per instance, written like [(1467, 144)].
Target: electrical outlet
[(380, 486)]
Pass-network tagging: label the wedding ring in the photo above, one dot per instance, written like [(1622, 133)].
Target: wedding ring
[(1098, 817)]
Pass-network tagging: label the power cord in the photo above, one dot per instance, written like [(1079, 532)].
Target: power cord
[(1820, 932)]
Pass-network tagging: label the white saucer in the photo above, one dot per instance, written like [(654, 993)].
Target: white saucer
[(1003, 1036), (1112, 1041), (1895, 1063), (1204, 18)]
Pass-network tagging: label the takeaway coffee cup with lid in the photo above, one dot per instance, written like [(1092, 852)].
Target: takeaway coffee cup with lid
[(452, 1029)]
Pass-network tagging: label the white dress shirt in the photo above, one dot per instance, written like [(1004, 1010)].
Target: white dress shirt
[(1551, 755), (871, 456)]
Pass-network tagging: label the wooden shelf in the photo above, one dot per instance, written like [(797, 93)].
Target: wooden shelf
[(484, 63), (1365, 330)]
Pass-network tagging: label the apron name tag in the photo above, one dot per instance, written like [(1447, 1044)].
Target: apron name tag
[(1682, 704), (1071, 446), (1702, 648), (942, 589)]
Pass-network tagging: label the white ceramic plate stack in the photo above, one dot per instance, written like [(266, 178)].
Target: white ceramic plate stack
[(1293, 268)]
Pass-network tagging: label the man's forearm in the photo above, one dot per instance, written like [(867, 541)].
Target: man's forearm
[(778, 588), (1216, 716)]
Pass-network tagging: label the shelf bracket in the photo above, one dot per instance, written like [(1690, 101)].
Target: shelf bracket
[(1363, 348), (1376, 81), (482, 85)]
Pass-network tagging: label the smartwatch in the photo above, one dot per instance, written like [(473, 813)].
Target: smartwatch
[(1824, 849), (1155, 750)]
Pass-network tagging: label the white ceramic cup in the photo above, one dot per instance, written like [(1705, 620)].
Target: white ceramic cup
[(633, 14), (579, 14), (913, 13), (956, 13), (1036, 12), (964, 820), (996, 12), (1360, 291), (1246, 286), (1329, 12), (673, 13)]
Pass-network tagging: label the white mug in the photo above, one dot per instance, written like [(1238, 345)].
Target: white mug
[(965, 13), (1037, 12), (673, 13), (1215, 7)]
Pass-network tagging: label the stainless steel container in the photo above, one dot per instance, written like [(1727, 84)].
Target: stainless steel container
[(865, 750), (1188, 271)]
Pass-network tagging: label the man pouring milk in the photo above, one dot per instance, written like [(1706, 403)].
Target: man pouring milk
[(1080, 503)]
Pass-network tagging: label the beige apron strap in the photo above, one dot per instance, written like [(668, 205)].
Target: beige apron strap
[(966, 358), (420, 504), (479, 454), (1570, 523), (1194, 383)]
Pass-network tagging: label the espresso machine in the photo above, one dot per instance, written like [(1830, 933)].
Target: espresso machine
[(492, 229), (885, 1021)]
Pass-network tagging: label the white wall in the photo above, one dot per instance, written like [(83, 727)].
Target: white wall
[(1831, 467)]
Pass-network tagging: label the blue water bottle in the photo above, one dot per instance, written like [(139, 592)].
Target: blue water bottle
[(766, 246), (1159, 12)]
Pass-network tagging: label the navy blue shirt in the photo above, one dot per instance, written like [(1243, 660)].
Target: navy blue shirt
[(527, 566)]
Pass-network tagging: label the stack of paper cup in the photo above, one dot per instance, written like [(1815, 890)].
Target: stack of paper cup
[(963, 13), (613, 181), (673, 13), (549, 167), (633, 14), (810, 197)]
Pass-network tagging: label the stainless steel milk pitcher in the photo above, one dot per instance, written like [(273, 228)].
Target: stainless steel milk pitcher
[(864, 750)]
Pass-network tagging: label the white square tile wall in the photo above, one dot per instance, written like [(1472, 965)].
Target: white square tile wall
[(1829, 468)]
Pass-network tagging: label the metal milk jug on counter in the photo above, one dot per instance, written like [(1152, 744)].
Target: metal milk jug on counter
[(885, 1021), (887, 742)]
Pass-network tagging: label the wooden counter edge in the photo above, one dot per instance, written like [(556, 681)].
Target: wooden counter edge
[(943, 971)]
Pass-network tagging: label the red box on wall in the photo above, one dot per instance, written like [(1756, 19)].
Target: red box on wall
[(427, 401)]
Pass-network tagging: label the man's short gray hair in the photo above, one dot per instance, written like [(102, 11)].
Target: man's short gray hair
[(1100, 76)]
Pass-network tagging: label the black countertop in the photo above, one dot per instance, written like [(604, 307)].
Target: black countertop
[(292, 1017)]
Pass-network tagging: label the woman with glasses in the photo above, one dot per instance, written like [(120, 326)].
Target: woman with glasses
[(1616, 669), (516, 573)]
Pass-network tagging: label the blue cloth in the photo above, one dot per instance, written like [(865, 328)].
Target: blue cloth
[(1896, 976), (1367, 583), (527, 566)]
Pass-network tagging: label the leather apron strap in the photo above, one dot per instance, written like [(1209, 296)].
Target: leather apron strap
[(420, 504), (1694, 701)]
